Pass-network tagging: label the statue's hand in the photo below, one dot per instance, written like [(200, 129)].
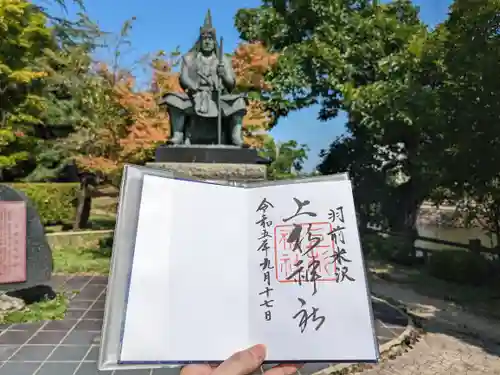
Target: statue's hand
[(192, 89), (221, 70)]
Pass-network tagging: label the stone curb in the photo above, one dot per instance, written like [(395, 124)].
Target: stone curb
[(79, 233), (383, 349)]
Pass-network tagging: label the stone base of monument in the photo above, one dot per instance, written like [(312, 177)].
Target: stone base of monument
[(34, 294), (216, 171), (212, 162)]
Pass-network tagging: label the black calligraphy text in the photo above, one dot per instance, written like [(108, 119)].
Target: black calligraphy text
[(340, 256), (306, 317), (266, 266)]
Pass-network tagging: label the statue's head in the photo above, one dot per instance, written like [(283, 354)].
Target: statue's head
[(207, 41)]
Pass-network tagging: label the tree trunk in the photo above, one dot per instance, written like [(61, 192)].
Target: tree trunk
[(496, 222), (401, 210), (84, 204)]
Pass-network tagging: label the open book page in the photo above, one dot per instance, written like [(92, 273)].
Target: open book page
[(308, 293), (219, 268), (188, 293)]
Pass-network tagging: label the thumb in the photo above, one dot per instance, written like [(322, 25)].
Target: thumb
[(244, 362)]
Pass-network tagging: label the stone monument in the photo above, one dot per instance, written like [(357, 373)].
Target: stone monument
[(25, 256), (206, 119)]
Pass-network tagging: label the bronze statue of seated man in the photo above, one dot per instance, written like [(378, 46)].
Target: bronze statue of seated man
[(207, 79)]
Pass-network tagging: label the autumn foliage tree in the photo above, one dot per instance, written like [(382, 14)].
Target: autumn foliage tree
[(251, 63), (128, 122), (132, 125), (149, 124)]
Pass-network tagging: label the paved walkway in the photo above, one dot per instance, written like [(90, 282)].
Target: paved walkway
[(67, 347), (457, 342)]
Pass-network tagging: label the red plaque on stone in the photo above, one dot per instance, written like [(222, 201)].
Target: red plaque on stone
[(12, 242)]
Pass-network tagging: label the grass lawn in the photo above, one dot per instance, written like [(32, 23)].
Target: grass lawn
[(107, 204), (98, 221), (93, 261), (46, 310)]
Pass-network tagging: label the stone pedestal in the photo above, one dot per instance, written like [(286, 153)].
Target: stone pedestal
[(212, 162), (217, 171)]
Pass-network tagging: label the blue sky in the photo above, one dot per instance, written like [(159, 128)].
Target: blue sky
[(166, 24)]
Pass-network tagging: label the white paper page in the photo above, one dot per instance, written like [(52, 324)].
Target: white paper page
[(188, 295), (339, 325)]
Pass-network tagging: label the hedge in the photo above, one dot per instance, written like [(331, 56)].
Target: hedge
[(55, 202), (463, 267)]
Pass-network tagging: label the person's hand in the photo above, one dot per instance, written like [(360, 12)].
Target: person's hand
[(241, 363)]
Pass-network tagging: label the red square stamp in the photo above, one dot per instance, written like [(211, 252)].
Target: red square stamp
[(12, 242), (304, 244)]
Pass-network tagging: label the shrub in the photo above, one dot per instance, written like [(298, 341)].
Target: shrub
[(393, 249), (461, 267), (115, 178), (55, 202), (106, 244)]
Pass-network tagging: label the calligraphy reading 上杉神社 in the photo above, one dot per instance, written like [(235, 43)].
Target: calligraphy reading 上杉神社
[(265, 224), (304, 254), (304, 251)]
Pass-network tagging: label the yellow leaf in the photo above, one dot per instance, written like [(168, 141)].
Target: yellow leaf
[(26, 76)]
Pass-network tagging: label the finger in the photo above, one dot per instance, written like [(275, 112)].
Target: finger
[(196, 370), (244, 362), (284, 369)]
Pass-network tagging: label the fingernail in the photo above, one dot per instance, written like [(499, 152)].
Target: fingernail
[(259, 351)]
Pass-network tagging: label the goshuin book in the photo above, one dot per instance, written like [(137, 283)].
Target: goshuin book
[(216, 268)]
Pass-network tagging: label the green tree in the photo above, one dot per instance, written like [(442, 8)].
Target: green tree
[(422, 105), (361, 159), (469, 99), (70, 89), (324, 45), (287, 158), (46, 106), (364, 58), (397, 117), (24, 36)]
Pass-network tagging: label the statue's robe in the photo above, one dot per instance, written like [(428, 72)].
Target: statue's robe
[(200, 102)]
